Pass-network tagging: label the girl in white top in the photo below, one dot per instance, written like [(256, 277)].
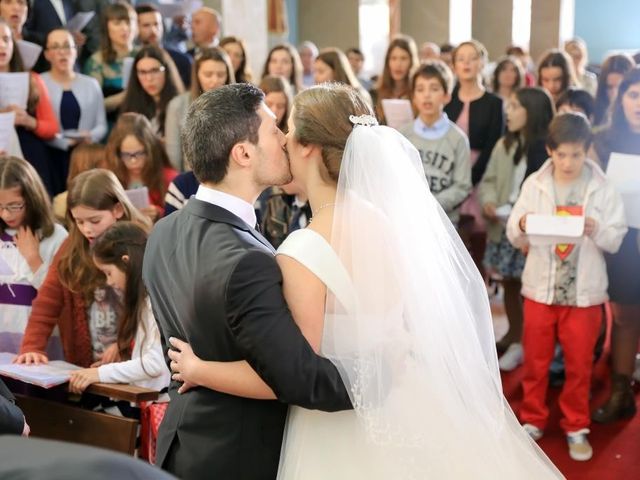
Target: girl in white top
[(29, 238), (118, 254)]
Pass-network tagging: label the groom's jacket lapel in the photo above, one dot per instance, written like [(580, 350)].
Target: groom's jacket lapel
[(220, 215)]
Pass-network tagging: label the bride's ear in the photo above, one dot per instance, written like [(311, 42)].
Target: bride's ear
[(310, 151)]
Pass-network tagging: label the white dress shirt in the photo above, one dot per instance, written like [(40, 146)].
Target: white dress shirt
[(233, 204)]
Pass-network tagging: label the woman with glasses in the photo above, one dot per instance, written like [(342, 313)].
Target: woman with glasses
[(77, 102), (154, 81), (137, 157)]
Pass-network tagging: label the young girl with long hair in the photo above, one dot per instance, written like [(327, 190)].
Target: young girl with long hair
[(612, 72), (508, 76), (332, 65), (623, 136), (118, 254), (211, 69), (519, 153), (29, 238), (74, 295), (400, 62), (278, 97), (556, 73), (138, 158), (480, 115), (85, 156), (576, 48), (237, 51), (118, 29), (153, 83), (284, 60), (37, 122)]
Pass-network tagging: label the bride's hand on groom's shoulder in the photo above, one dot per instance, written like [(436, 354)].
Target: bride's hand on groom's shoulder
[(184, 364)]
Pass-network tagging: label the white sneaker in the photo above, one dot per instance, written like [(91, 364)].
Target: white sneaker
[(534, 432), (579, 446), (636, 373), (512, 358)]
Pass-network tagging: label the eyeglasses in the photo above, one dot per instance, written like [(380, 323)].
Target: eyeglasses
[(12, 207), (152, 72), (61, 48), (133, 156)]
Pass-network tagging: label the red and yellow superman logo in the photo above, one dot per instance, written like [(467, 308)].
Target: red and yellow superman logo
[(563, 250)]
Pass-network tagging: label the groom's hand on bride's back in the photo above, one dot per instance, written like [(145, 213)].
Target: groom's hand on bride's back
[(184, 364)]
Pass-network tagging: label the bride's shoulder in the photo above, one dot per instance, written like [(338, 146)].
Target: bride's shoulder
[(303, 239)]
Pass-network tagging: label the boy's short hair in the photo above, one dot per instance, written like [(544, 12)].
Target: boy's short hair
[(569, 128), (434, 69), (577, 97)]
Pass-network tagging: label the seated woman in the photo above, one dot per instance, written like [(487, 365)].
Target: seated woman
[(117, 32), (211, 70), (76, 100), (138, 158), (153, 83), (37, 122)]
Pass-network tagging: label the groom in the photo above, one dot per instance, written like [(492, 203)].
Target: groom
[(214, 283)]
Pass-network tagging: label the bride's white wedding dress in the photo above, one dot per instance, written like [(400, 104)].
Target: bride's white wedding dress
[(408, 325), (337, 446)]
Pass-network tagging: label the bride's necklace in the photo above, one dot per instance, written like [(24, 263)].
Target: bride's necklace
[(324, 205)]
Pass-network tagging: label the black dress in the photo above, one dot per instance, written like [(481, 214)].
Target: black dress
[(623, 266)]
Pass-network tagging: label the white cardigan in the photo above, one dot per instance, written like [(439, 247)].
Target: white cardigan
[(603, 203), (92, 114), (147, 350)]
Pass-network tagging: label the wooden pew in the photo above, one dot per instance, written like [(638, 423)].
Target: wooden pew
[(65, 421)]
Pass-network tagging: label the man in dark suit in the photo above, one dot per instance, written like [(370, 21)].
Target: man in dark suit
[(44, 16), (214, 283), (151, 31), (205, 28)]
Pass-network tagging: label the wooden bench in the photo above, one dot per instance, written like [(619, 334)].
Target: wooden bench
[(65, 421)]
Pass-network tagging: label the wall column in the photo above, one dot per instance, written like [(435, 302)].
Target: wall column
[(491, 24)]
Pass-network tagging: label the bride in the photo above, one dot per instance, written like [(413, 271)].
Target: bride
[(381, 284)]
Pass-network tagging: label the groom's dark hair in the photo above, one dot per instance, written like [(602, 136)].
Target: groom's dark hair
[(215, 122)]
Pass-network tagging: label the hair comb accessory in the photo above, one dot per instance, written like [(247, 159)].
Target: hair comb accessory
[(364, 120)]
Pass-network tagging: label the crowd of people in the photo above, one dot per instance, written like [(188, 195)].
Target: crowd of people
[(498, 141)]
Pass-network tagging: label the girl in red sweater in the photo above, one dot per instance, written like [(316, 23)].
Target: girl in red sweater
[(74, 295)]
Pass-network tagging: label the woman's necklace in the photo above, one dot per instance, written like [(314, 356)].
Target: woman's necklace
[(324, 205)]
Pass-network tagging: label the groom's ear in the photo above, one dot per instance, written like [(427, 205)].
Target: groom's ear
[(241, 154)]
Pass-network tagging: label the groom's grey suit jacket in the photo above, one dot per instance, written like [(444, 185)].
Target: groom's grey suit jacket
[(214, 282)]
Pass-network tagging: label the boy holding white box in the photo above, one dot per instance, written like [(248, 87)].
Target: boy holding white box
[(564, 285)]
